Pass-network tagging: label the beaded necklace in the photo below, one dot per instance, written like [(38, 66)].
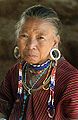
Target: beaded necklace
[(51, 107), (30, 90), (42, 66), (22, 85)]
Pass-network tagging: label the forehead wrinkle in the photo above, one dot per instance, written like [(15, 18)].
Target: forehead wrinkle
[(37, 26)]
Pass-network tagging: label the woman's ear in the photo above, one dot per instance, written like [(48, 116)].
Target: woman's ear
[(56, 41)]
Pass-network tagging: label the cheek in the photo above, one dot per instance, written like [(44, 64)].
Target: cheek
[(21, 45), (44, 51)]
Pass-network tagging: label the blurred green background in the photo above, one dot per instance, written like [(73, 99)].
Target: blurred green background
[(10, 11)]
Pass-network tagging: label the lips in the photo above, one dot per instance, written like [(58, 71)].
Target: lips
[(32, 55)]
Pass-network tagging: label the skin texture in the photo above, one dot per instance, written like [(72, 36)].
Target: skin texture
[(37, 37)]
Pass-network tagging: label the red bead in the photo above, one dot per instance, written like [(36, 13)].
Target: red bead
[(53, 71), (19, 85), (20, 66)]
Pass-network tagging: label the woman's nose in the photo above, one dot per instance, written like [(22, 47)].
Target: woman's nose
[(32, 44)]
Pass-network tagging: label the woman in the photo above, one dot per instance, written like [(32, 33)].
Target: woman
[(42, 85)]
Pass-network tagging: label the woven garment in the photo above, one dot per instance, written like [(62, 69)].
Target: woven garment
[(66, 95)]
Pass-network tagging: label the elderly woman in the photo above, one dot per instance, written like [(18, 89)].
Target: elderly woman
[(42, 85)]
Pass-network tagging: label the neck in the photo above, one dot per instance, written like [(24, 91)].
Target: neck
[(40, 66), (38, 72)]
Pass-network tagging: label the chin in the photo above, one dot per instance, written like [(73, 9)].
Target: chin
[(30, 61)]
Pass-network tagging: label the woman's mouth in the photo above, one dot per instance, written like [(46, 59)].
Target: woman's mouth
[(31, 56)]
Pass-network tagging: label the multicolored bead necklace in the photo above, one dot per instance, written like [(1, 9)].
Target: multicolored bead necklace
[(30, 90), (22, 85), (51, 107)]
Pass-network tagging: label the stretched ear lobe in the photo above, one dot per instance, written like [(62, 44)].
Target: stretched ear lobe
[(16, 52), (55, 54)]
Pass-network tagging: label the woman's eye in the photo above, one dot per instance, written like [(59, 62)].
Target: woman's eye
[(23, 36), (41, 38)]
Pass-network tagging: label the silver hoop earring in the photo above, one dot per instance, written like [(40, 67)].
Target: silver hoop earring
[(16, 52), (55, 54)]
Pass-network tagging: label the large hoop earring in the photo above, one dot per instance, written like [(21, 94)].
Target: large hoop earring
[(55, 54), (16, 52)]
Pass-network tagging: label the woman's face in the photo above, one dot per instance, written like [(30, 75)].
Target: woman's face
[(36, 39)]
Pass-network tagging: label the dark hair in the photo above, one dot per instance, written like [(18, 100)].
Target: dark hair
[(42, 12)]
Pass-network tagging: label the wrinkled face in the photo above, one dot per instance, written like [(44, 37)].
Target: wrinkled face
[(36, 39)]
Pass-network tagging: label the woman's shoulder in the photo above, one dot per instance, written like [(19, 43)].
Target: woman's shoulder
[(13, 68), (65, 69), (65, 65)]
